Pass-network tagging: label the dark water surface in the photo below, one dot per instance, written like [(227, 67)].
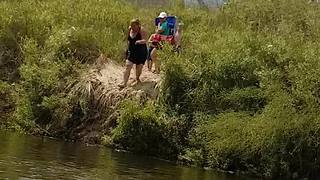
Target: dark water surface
[(28, 157)]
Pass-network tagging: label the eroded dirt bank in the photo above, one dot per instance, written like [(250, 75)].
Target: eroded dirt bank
[(100, 86)]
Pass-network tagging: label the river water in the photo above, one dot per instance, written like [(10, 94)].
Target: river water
[(28, 157)]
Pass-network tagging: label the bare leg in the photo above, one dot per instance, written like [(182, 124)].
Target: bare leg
[(149, 65), (126, 74), (149, 61), (138, 72), (154, 58)]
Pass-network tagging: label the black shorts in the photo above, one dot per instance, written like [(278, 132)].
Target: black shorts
[(138, 56)]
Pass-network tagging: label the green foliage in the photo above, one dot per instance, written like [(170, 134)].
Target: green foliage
[(272, 144), (44, 46), (24, 116), (215, 82), (6, 104), (176, 96), (249, 81), (141, 130), (242, 95)]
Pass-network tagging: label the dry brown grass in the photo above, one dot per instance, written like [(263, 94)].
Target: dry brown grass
[(100, 85)]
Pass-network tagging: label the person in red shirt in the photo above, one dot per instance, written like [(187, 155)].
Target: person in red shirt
[(154, 45)]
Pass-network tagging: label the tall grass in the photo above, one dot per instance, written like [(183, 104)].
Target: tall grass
[(242, 96), (46, 45), (247, 84), (248, 79)]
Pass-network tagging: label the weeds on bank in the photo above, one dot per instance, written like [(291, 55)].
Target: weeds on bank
[(247, 83), (242, 95)]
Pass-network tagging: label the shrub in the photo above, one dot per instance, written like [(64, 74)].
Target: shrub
[(141, 130), (242, 95), (268, 144), (253, 74), (6, 104)]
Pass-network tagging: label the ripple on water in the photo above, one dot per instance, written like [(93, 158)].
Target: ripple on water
[(27, 157)]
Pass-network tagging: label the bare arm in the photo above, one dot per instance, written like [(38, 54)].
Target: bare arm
[(150, 39), (143, 37), (159, 30)]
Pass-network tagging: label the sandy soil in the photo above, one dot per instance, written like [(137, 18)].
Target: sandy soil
[(101, 85)]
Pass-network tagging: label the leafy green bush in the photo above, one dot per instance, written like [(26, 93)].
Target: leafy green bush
[(46, 45), (6, 104), (249, 82), (242, 95), (141, 130), (277, 144)]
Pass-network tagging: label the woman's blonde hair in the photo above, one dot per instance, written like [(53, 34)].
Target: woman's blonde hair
[(135, 21)]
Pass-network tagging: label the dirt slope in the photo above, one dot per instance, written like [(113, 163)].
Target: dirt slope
[(100, 86)]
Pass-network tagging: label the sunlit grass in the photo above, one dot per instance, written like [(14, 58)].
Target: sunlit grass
[(242, 95)]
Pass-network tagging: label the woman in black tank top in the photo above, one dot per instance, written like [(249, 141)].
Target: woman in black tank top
[(137, 51)]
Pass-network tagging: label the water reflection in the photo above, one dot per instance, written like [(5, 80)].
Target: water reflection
[(25, 157)]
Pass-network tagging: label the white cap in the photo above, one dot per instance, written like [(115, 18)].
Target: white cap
[(162, 15)]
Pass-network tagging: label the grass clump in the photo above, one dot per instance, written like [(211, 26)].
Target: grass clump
[(141, 130), (6, 104), (242, 96), (46, 46), (248, 84)]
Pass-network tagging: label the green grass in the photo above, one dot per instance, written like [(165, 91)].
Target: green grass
[(46, 45), (251, 69), (243, 95)]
